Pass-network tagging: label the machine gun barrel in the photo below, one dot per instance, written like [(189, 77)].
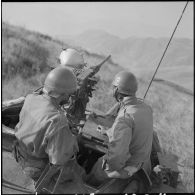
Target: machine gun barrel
[(97, 67)]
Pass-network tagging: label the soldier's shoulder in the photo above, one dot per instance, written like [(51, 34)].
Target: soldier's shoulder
[(138, 107), (147, 104), (59, 117), (29, 96), (28, 99), (144, 103)]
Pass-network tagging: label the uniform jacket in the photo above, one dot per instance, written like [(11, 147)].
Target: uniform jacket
[(130, 137), (43, 130)]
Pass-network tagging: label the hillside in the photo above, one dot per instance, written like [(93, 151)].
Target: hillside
[(142, 55), (27, 57)]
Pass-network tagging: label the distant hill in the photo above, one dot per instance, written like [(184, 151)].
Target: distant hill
[(142, 55)]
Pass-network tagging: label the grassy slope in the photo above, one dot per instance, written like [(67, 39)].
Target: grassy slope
[(173, 121), (173, 111)]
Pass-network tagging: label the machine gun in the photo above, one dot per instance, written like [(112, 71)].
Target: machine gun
[(86, 82)]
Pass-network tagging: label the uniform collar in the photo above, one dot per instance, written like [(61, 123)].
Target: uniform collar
[(130, 100), (51, 99)]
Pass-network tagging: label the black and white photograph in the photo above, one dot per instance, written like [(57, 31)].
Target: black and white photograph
[(97, 97)]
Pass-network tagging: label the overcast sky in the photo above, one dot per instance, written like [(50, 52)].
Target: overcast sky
[(124, 19)]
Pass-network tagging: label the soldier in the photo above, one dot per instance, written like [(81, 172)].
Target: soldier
[(43, 135), (130, 136), (71, 58), (68, 58)]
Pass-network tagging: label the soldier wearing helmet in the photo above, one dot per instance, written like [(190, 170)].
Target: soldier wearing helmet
[(71, 58), (130, 136), (43, 135)]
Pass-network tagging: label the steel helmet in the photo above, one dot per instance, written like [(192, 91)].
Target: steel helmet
[(126, 83), (60, 81), (72, 58)]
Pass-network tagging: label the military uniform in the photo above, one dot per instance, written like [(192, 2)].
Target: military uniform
[(44, 136), (130, 140)]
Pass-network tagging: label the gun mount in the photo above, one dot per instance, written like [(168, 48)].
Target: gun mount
[(86, 82)]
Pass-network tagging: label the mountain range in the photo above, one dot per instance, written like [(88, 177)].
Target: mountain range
[(142, 55)]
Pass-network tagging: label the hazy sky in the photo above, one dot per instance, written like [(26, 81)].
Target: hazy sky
[(124, 19)]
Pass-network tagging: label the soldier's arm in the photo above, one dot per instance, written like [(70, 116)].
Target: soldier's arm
[(113, 110), (120, 136), (108, 118)]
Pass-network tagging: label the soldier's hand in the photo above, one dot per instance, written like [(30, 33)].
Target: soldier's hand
[(117, 174), (92, 116), (131, 170), (102, 130)]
